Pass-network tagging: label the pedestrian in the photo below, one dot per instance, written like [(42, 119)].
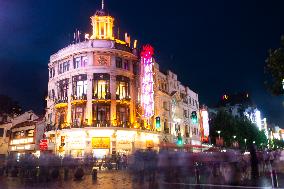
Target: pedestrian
[(254, 163), (124, 157), (118, 161)]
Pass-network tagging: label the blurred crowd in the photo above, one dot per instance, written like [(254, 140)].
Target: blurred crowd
[(207, 167)]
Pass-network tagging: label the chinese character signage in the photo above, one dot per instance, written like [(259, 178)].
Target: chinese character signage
[(100, 142)]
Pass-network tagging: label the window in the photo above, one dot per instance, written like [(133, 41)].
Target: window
[(166, 127), (60, 68), (186, 130), (51, 72), (185, 113), (80, 87), (78, 115), (1, 132), (63, 67), (126, 64), (101, 114), (196, 104), (118, 62), (165, 105), (80, 62), (122, 87), (101, 86), (66, 66), (51, 94), (122, 115), (63, 89), (135, 68)]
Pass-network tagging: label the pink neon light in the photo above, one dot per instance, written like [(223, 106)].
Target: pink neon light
[(147, 83)]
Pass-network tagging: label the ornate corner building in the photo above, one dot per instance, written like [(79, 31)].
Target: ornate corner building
[(104, 98)]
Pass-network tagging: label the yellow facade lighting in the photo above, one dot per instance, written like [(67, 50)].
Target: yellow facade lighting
[(61, 105), (76, 102), (102, 27)]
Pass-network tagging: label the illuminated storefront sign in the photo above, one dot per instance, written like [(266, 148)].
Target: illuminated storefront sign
[(147, 85), (22, 141), (205, 122), (101, 142), (43, 144), (76, 143), (22, 147), (149, 143)]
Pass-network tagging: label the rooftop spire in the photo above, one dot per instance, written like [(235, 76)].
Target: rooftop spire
[(103, 4)]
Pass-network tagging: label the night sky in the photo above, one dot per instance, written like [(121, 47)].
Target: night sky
[(215, 47)]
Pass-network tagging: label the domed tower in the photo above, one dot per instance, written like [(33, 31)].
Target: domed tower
[(102, 25)]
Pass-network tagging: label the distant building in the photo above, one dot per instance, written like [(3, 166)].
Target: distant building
[(8, 131)]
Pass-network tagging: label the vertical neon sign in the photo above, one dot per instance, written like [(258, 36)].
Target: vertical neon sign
[(147, 83)]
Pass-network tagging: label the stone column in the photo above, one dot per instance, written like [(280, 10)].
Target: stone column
[(132, 105), (89, 105), (89, 108), (113, 98), (68, 117)]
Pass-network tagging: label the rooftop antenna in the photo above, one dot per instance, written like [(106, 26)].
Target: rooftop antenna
[(103, 4)]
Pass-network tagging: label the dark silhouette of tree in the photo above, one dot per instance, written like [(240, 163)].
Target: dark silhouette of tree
[(274, 70), (240, 127), (8, 106)]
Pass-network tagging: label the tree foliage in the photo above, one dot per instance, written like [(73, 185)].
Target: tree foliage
[(242, 128), (274, 70), (9, 106)]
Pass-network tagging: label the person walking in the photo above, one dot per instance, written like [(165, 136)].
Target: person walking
[(254, 164)]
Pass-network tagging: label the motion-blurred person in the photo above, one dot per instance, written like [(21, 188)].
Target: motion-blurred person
[(254, 162)]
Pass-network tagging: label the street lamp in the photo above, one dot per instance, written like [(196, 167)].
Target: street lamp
[(245, 143), (219, 134), (253, 142), (234, 137)]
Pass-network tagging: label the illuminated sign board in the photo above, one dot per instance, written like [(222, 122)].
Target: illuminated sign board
[(43, 144), (22, 147), (205, 122), (100, 142), (22, 141), (147, 82)]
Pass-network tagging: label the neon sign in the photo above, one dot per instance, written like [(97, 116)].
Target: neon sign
[(147, 83)]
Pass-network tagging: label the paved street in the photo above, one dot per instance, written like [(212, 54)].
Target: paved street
[(122, 180)]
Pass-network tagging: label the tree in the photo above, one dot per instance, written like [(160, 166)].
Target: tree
[(277, 144), (246, 132), (274, 70), (9, 106)]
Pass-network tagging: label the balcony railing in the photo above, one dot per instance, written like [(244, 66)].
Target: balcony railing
[(124, 124), (82, 97), (105, 123), (107, 96), (61, 100), (125, 98)]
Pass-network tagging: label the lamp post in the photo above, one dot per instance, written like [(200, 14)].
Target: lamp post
[(245, 144), (219, 134), (234, 141)]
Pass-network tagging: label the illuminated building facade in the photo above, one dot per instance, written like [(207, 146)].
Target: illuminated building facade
[(103, 97), (174, 104), (93, 95)]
